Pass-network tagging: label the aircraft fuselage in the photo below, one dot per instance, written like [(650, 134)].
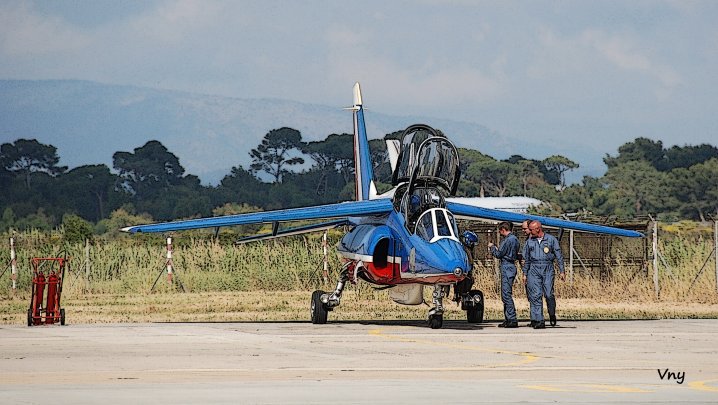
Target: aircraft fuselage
[(385, 252)]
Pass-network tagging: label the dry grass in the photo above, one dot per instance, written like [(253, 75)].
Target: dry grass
[(294, 306)]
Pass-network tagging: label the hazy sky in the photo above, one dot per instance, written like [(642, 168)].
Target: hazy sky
[(599, 73)]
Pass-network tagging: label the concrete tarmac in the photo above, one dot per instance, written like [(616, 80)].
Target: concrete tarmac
[(388, 362)]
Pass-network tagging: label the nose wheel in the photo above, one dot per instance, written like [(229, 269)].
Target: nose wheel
[(436, 314)]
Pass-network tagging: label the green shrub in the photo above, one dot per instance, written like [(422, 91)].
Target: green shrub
[(76, 229)]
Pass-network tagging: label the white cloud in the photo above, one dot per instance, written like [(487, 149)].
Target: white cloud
[(339, 36), (616, 50), (26, 34), (595, 50), (173, 22), (624, 53), (420, 82)]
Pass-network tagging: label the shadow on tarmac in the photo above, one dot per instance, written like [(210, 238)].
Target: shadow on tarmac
[(421, 323)]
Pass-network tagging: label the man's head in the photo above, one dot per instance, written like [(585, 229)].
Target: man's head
[(535, 229), (505, 228), (525, 227)]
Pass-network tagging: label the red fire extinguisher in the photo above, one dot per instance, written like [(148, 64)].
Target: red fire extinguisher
[(39, 292), (52, 281)]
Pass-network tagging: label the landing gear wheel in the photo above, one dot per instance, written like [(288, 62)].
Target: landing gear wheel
[(62, 316), (29, 317), (319, 309), (436, 321), (475, 313)]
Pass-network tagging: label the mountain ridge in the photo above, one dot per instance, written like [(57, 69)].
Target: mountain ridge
[(89, 121)]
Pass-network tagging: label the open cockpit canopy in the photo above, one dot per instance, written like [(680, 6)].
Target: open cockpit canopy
[(427, 159)]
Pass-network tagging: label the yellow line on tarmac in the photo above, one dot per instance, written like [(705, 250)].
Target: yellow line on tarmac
[(701, 385), (526, 358), (585, 388)]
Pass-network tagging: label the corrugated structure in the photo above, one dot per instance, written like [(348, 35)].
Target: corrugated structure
[(593, 254)]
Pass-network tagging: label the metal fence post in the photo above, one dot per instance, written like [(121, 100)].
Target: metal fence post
[(13, 264), (169, 260), (87, 264), (325, 274), (656, 287), (570, 257)]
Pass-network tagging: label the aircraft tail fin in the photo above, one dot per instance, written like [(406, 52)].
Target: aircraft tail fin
[(364, 174)]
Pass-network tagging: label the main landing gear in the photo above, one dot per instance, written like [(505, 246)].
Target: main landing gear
[(473, 303), (323, 303)]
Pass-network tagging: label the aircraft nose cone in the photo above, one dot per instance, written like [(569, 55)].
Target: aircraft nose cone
[(451, 255)]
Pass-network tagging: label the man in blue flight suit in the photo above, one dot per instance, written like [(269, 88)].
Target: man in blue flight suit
[(539, 253), (507, 252), (527, 235)]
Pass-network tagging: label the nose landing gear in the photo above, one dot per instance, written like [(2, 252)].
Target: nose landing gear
[(436, 314)]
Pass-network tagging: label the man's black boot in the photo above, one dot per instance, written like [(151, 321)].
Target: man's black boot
[(552, 319), (540, 325)]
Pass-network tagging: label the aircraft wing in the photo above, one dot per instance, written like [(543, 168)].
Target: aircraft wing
[(464, 211), (339, 210)]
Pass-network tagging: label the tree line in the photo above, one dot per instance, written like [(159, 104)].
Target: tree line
[(149, 183)]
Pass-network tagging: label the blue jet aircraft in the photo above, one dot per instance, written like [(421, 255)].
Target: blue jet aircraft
[(404, 239)]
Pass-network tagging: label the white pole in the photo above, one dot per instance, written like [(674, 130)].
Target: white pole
[(326, 258), (570, 257), (656, 287), (87, 263), (13, 264), (497, 262), (169, 260)]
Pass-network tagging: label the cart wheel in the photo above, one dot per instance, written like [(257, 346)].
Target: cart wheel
[(62, 316), (29, 317)]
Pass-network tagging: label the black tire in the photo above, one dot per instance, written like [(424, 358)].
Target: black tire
[(475, 313), (29, 317), (318, 308), (436, 321), (62, 316)]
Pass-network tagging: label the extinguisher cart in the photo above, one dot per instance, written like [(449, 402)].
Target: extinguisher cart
[(52, 281)]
